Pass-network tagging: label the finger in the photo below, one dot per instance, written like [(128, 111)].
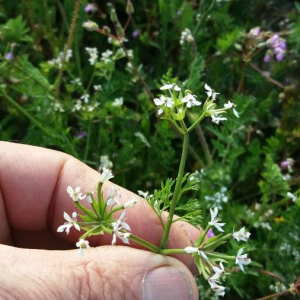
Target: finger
[(33, 185), (102, 273)]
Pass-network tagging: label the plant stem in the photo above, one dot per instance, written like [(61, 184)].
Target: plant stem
[(88, 140), (185, 146), (204, 145), (196, 122), (68, 46), (202, 236), (172, 251)]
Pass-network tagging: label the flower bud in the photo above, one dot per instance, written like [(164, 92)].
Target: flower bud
[(106, 30), (129, 8), (113, 15), (90, 26), (130, 203)]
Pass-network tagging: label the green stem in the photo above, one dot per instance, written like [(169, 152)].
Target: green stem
[(202, 236), (196, 122), (204, 145), (172, 251), (88, 140), (176, 192)]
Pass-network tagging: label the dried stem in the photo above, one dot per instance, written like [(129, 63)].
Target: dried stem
[(68, 46)]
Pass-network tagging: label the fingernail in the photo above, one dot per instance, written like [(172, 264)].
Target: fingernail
[(167, 283)]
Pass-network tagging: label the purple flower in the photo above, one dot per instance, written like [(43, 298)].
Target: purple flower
[(81, 134), (255, 31), (9, 56), (135, 34), (284, 164), (210, 233), (91, 8), (280, 56), (273, 39), (267, 58)]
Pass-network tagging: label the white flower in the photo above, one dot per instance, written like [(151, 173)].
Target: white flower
[(113, 195), (98, 87), (130, 203), (119, 225), (210, 92), (291, 196), (143, 194), (214, 220), (186, 36), (85, 98), (195, 250), (167, 86), (164, 101), (82, 244), (70, 223), (93, 53), (190, 100), (242, 259), (241, 235), (177, 88), (219, 271), (231, 105), (217, 120), (218, 289), (118, 102), (76, 195), (106, 175), (106, 56)]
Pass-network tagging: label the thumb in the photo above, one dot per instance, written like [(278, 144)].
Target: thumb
[(105, 272)]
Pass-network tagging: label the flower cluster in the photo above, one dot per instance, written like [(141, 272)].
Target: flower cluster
[(277, 48), (57, 62), (93, 53), (102, 219), (186, 37), (205, 256)]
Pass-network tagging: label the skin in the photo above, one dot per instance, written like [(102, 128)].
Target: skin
[(37, 262)]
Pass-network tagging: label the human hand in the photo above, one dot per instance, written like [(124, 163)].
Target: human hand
[(33, 197)]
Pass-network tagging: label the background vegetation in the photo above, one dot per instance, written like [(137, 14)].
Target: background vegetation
[(103, 112)]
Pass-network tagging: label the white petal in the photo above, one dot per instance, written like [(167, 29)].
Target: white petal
[(241, 267), (67, 217), (61, 228), (235, 113), (160, 111), (218, 227), (213, 213), (207, 87), (77, 226), (191, 250), (158, 101), (202, 254), (70, 191)]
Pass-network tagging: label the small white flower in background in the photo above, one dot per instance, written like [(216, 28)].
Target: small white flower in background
[(195, 250), (186, 36), (118, 102), (130, 203), (142, 138), (119, 225), (93, 53), (77, 106), (143, 194), (98, 87), (219, 270), (241, 235), (76, 81), (291, 196), (105, 162), (106, 56), (242, 259), (70, 223), (167, 86), (106, 175), (190, 100), (76, 195), (85, 98), (82, 244), (214, 220), (231, 105), (210, 92), (217, 120)]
